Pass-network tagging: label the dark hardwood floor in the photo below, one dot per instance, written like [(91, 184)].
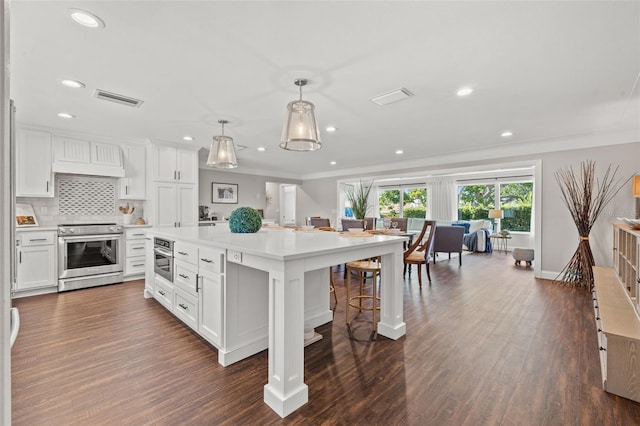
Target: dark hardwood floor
[(486, 344)]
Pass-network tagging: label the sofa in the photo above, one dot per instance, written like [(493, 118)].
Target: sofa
[(476, 232)]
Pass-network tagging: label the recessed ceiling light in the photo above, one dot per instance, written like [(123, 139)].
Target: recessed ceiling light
[(506, 133), (66, 115), (73, 83), (399, 152), (333, 163), (262, 149), (85, 18), (331, 129), (464, 91), (188, 138)]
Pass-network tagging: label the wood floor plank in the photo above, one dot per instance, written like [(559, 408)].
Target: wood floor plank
[(486, 343)]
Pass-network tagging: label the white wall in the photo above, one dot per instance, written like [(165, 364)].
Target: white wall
[(251, 190)]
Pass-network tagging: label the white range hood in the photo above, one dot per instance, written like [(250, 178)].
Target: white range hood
[(77, 156)]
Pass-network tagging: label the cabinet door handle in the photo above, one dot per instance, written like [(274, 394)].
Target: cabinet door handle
[(162, 293), (19, 257), (197, 282), (186, 277), (37, 239), (175, 175), (206, 260), (47, 186), (138, 264), (183, 306), (126, 189), (183, 253), (179, 178), (137, 248)]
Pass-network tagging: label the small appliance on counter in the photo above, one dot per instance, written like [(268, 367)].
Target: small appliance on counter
[(204, 212)]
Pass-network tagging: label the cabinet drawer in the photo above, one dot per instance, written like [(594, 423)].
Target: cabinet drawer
[(186, 308), (164, 294), (186, 252), (134, 265), (185, 276), (211, 259), (134, 234), (135, 248), (36, 238)]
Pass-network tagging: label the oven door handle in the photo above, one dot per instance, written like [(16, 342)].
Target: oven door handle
[(89, 238), (163, 252)]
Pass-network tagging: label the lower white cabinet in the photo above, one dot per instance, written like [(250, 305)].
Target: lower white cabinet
[(163, 292), (174, 204), (211, 293), (36, 260), (186, 308), (135, 259)]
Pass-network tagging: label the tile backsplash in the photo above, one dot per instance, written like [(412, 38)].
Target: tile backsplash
[(81, 199)]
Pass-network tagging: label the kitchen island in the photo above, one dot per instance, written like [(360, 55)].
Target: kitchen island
[(265, 287)]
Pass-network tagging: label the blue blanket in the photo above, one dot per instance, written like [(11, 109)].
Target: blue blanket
[(471, 241)]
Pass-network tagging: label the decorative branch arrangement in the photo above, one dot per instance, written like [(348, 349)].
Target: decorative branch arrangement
[(585, 196)]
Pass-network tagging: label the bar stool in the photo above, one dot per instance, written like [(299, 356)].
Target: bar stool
[(362, 268)]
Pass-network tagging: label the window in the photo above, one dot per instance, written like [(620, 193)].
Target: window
[(407, 201), (516, 202), (475, 201), (515, 199)]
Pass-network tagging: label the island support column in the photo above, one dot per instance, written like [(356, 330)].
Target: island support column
[(392, 323), (286, 390)]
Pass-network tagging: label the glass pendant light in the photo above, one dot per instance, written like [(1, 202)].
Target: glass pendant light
[(222, 153), (300, 131)]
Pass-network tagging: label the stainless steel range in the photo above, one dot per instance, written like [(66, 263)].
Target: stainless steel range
[(89, 255)]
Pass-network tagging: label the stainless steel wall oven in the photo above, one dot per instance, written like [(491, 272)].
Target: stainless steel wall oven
[(89, 255), (163, 258)]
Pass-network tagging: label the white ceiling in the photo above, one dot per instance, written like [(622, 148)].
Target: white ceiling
[(544, 70)]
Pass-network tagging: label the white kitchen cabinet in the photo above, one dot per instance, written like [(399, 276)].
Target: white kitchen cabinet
[(211, 306), (149, 262), (34, 176), (174, 204), (174, 164), (133, 184), (36, 260), (135, 261)]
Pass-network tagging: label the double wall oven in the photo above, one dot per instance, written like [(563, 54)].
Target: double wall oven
[(89, 255)]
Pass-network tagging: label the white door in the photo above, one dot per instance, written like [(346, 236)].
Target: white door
[(288, 204)]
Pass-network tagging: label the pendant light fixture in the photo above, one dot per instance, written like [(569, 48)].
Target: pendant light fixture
[(222, 153), (300, 131)]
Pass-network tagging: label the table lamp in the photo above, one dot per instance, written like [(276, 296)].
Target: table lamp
[(635, 191), (497, 215)]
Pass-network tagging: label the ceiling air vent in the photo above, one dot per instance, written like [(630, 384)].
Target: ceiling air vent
[(119, 99), (392, 96)]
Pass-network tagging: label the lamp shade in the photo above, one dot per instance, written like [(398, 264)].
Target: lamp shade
[(300, 131), (635, 190), (222, 153), (496, 214)]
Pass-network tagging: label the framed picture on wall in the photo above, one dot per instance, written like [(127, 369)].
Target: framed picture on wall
[(224, 193)]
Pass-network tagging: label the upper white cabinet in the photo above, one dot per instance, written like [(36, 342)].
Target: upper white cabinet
[(85, 157), (174, 204), (174, 164), (133, 184), (34, 176)]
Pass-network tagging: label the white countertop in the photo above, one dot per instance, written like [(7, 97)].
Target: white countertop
[(285, 244)]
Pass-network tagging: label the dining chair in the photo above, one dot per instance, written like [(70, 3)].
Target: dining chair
[(401, 222), (351, 223), (420, 251), (370, 222), (318, 222)]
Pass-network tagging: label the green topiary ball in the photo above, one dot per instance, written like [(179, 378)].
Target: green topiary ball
[(245, 220)]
